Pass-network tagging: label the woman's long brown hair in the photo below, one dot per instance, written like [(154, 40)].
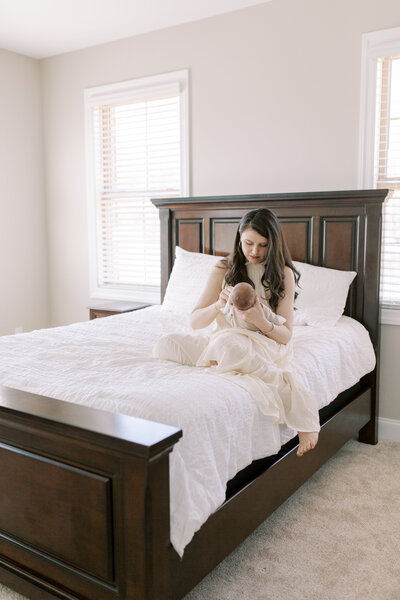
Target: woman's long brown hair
[(264, 222)]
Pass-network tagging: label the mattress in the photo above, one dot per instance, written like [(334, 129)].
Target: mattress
[(107, 363)]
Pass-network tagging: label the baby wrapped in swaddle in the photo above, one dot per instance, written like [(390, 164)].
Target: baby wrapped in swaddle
[(242, 297)]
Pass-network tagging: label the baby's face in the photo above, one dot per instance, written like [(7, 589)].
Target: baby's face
[(243, 296)]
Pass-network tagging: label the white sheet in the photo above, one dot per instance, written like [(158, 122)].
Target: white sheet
[(107, 363)]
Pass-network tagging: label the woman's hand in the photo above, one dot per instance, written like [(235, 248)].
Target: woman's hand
[(223, 297), (254, 315)]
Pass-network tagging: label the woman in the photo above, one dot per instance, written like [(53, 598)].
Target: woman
[(260, 363), (260, 256)]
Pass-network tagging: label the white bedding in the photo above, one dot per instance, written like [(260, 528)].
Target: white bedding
[(107, 363)]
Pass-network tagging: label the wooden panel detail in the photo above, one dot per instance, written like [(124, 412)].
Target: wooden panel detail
[(339, 242), (298, 232), (222, 235), (74, 504), (339, 249), (190, 234)]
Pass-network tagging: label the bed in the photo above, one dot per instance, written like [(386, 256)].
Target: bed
[(87, 509)]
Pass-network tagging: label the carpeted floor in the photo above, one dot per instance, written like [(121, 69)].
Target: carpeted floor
[(336, 538)]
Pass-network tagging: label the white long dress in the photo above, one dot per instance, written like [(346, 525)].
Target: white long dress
[(251, 360)]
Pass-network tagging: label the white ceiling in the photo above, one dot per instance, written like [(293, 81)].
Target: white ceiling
[(42, 28)]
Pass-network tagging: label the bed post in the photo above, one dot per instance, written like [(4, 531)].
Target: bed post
[(166, 247), (373, 232)]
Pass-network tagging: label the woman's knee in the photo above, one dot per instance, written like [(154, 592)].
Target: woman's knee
[(167, 349), (181, 348)]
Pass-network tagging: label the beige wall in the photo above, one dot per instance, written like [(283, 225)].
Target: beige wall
[(23, 245), (274, 107), (390, 373)]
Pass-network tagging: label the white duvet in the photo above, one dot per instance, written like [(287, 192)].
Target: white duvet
[(107, 363)]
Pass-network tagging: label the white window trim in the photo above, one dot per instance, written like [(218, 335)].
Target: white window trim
[(374, 45), (109, 93)]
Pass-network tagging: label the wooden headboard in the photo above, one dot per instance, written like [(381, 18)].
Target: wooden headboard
[(339, 230)]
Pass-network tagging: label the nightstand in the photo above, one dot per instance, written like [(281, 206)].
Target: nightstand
[(114, 307)]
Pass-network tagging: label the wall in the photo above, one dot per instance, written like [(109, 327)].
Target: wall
[(23, 243), (390, 377), (274, 107)]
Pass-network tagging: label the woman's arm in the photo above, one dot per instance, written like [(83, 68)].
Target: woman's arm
[(211, 300), (280, 333)]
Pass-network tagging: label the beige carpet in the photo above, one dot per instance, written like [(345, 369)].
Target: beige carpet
[(337, 538)]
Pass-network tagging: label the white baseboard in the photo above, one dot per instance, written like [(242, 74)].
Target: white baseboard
[(389, 429)]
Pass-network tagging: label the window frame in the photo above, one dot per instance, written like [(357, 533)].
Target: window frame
[(375, 45), (117, 92)]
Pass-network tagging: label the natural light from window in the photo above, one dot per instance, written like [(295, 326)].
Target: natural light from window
[(393, 166), (387, 172), (137, 149)]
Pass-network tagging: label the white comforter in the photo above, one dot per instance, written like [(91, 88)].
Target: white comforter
[(107, 363)]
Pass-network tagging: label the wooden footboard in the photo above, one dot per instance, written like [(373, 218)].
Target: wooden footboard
[(84, 508)]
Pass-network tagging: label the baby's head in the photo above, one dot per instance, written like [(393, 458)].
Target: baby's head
[(243, 296)]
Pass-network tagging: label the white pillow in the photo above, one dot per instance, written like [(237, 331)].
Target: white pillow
[(187, 280), (322, 294)]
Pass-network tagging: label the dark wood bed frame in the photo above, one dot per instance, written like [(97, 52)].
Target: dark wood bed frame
[(84, 504)]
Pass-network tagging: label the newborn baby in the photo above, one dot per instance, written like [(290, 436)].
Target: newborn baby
[(243, 297)]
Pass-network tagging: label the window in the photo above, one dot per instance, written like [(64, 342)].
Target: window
[(387, 172), (380, 152), (137, 145)]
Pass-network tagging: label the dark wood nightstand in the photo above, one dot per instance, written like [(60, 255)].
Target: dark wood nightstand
[(114, 307)]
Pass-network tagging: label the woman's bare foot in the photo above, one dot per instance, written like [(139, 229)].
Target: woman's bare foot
[(308, 440)]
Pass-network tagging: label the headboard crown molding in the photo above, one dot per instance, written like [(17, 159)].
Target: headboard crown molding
[(366, 196)]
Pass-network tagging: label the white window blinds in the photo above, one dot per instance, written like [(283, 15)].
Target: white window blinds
[(137, 136), (387, 173)]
